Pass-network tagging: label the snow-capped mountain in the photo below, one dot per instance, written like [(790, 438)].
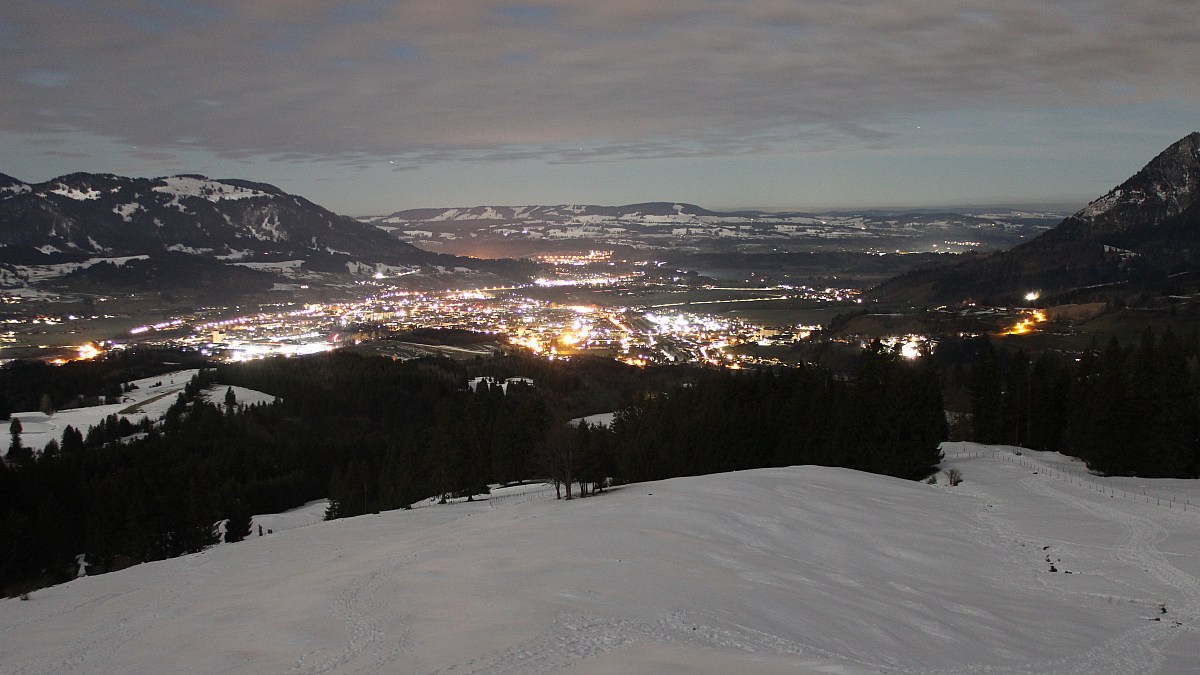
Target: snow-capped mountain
[(1146, 228), (10, 186), (1164, 188), (101, 214)]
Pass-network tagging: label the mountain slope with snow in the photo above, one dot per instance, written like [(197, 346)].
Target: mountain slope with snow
[(1026, 567), (103, 214), (1148, 227)]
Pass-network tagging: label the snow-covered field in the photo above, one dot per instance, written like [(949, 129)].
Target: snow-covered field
[(597, 420), (1026, 567), (151, 398)]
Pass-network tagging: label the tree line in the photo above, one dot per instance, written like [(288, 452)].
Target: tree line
[(371, 434), (1125, 410)]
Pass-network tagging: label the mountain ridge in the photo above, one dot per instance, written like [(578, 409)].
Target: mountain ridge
[(106, 214), (1146, 228)]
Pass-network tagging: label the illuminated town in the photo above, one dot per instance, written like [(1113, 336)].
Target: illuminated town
[(649, 316), (539, 317), (635, 335)]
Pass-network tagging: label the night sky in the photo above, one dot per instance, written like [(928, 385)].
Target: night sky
[(368, 107)]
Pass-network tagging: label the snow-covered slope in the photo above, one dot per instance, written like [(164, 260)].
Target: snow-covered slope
[(790, 570), (103, 214), (151, 397), (10, 186), (1163, 188)]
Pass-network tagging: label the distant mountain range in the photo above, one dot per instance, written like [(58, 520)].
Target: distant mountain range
[(1144, 229), (1143, 236), (222, 238), (495, 231)]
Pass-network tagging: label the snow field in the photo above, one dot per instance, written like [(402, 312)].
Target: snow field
[(152, 398), (802, 569)]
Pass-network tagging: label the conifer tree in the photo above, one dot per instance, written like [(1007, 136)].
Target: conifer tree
[(1018, 386), (72, 441), (238, 525), (986, 398), (230, 401), (1048, 403), (17, 453)]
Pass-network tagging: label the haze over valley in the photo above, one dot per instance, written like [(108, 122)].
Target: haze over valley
[(698, 336)]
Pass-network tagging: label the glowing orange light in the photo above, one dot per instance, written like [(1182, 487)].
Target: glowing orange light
[(88, 351), (1028, 324)]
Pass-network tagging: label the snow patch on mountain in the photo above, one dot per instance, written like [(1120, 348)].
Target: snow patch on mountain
[(37, 273), (13, 190), (268, 229), (75, 193), (190, 186), (180, 248), (127, 211), (1169, 183)]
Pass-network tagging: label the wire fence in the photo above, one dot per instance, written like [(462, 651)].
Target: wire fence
[(1084, 478)]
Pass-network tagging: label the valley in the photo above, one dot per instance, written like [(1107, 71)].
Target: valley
[(751, 336)]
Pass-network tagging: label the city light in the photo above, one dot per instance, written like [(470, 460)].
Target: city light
[(519, 316), (1028, 323)]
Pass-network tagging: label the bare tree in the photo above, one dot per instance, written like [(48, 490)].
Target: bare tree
[(558, 457)]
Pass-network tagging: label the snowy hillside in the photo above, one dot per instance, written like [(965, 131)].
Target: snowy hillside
[(85, 214), (1027, 567), (150, 397)]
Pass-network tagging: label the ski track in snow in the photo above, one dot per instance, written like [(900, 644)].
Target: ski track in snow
[(374, 629), (575, 637), (99, 645), (363, 635), (1139, 650)]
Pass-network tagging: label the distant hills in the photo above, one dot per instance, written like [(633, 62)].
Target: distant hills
[(1142, 231), (224, 238), (106, 215), (1143, 236), (670, 227), (538, 213)]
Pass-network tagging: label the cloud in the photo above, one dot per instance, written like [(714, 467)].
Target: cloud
[(46, 79), (427, 81)]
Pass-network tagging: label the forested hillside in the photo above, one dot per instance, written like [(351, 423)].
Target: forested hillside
[(1125, 410), (372, 434)]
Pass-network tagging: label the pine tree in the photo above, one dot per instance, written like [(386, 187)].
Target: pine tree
[(986, 398), (1176, 418), (238, 526), (1018, 385), (230, 401), (17, 453), (1099, 428), (1048, 404), (72, 441)]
